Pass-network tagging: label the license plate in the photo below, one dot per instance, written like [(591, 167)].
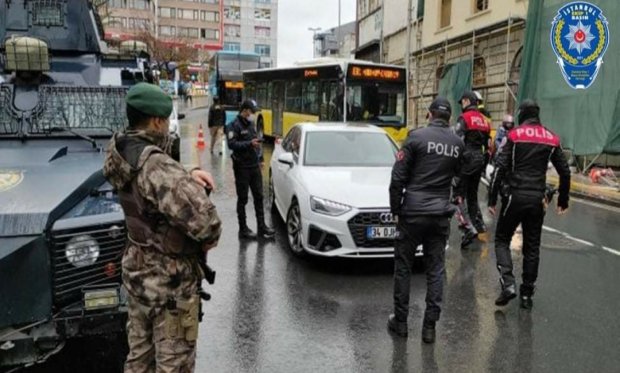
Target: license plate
[(97, 299), (380, 232)]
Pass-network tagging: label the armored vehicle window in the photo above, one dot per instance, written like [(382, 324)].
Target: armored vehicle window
[(47, 13)]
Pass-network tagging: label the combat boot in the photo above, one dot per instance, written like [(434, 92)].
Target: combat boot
[(264, 231), (468, 237), (525, 295), (246, 233), (428, 332), (398, 327), (508, 293)]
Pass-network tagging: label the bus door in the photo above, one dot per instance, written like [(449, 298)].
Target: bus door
[(277, 105)]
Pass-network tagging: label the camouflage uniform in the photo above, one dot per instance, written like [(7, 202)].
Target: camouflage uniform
[(169, 219)]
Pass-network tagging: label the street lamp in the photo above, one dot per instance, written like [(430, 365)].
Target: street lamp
[(314, 31)]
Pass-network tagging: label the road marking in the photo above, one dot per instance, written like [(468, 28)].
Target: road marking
[(566, 235), (615, 252)]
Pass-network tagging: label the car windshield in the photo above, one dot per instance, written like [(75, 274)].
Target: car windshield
[(349, 149)]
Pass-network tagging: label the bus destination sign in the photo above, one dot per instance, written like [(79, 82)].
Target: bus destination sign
[(233, 85), (377, 73), (311, 73)]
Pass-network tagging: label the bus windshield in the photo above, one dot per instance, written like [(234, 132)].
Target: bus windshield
[(376, 102)]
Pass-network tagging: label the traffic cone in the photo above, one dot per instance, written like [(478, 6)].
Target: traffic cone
[(201, 138)]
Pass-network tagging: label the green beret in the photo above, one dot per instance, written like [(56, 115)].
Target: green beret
[(150, 100)]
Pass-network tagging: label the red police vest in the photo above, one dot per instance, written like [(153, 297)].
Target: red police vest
[(533, 134), (475, 121)]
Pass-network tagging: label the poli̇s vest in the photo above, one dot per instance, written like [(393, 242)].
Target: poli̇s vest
[(475, 121), (533, 134)]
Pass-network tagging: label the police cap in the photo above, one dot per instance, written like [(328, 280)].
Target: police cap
[(471, 96), (249, 104), (149, 99), (440, 104)]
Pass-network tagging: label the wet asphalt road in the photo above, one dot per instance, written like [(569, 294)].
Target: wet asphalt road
[(272, 312)]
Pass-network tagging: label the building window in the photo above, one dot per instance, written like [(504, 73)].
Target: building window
[(265, 65), (210, 1), (446, 13), (481, 5), (167, 12), (138, 4), (261, 31), (167, 31), (480, 71), (117, 4), (117, 22), (210, 34), (138, 23), (263, 1), (188, 32), (263, 14), (233, 47), (232, 30), (262, 49), (188, 14), (232, 12), (209, 16)]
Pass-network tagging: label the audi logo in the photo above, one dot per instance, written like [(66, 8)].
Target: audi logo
[(387, 218)]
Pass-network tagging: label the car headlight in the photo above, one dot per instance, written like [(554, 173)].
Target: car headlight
[(327, 207), (82, 251)]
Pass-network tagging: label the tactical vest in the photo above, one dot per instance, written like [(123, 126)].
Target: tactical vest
[(533, 134), (475, 121), (147, 227)]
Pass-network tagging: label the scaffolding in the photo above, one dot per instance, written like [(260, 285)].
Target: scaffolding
[(495, 52)]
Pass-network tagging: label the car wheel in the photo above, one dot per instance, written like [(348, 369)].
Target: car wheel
[(294, 231)]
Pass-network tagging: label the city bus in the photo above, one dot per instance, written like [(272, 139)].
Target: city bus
[(226, 78), (334, 90)]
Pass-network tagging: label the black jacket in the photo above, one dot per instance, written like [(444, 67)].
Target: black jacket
[(217, 116), (476, 145), (240, 135), (521, 166), (423, 172)]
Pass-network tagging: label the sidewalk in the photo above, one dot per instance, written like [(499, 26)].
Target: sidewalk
[(582, 187)]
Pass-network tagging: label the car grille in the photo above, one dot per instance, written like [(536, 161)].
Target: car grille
[(359, 223), (69, 280)]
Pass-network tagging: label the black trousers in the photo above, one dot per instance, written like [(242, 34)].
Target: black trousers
[(249, 178), (529, 211), (432, 233), (470, 185)]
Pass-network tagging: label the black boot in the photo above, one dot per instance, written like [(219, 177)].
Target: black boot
[(479, 224), (398, 327), (246, 233), (428, 332), (468, 237), (508, 293), (264, 231), (526, 292)]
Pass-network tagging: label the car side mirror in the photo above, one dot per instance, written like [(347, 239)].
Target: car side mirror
[(181, 116), (286, 158)]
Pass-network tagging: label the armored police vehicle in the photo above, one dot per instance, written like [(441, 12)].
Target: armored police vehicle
[(62, 231)]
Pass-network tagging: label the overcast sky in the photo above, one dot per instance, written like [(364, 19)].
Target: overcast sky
[(294, 18)]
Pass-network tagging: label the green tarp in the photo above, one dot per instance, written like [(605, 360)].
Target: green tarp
[(455, 79), (587, 120)]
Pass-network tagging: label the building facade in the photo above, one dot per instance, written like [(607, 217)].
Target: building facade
[(252, 26), (336, 42), (196, 23), (442, 33)]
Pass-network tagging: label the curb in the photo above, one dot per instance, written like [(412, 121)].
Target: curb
[(585, 192)]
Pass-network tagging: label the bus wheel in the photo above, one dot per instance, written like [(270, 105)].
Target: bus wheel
[(259, 128)]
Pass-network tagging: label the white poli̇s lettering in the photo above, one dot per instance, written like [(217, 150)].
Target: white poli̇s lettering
[(442, 149)]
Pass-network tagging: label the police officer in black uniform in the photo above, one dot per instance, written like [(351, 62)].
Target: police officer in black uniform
[(247, 163), (520, 174), (475, 130), (420, 199)]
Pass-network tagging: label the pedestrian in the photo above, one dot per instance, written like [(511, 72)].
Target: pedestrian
[(217, 121), (507, 124), (475, 131), (420, 199), (520, 175), (247, 165), (170, 223)]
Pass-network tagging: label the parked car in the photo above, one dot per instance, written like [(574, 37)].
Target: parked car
[(329, 182)]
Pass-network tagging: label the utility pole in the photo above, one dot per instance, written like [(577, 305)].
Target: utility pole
[(339, 24), (408, 58), (381, 34)]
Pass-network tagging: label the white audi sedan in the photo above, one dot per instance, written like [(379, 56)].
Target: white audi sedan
[(329, 182)]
